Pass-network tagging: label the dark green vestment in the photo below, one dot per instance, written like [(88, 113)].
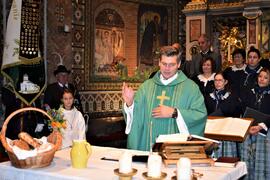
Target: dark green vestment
[(183, 94)]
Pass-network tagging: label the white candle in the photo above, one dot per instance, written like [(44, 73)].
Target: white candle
[(184, 169), (125, 162), (154, 165)]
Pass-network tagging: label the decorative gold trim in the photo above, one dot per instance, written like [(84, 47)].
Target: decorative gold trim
[(110, 86), (23, 61), (203, 6)]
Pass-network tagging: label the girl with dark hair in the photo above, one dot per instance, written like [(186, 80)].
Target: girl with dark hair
[(75, 122), (252, 69), (256, 147)]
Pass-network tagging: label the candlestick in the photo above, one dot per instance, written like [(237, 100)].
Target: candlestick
[(125, 162), (184, 169), (154, 165)]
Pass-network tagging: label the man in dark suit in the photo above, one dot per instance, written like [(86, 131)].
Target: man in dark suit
[(205, 51), (54, 91)]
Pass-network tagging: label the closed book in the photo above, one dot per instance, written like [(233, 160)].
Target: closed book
[(258, 117), (227, 161)]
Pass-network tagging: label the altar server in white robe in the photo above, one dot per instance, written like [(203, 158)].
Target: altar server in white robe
[(74, 120)]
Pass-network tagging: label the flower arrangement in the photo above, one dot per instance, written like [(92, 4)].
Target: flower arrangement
[(57, 122)]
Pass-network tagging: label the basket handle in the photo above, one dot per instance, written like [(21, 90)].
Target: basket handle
[(4, 128)]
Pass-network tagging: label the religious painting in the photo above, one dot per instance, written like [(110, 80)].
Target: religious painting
[(194, 30), (122, 41), (265, 39), (252, 32), (153, 33), (109, 44)]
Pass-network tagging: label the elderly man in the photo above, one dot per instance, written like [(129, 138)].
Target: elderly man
[(54, 91), (169, 103), (204, 44)]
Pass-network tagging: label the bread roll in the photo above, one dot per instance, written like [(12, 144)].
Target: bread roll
[(27, 138), (21, 144)]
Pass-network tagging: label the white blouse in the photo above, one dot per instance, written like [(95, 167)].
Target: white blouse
[(75, 127)]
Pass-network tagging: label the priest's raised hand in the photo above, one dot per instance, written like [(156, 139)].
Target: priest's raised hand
[(127, 94)]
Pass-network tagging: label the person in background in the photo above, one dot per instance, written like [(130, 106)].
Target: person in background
[(54, 91), (168, 103), (205, 51), (223, 102), (256, 148), (235, 73), (249, 76), (75, 123), (205, 80)]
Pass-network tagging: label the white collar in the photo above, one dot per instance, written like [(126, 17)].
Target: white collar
[(204, 79), (61, 85), (234, 68), (226, 95), (168, 81)]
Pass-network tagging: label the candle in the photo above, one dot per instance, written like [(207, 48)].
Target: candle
[(184, 169), (125, 163), (154, 165)]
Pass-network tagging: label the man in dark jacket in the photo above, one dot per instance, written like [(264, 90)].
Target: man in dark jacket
[(54, 91)]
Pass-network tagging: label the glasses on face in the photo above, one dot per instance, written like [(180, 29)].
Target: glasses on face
[(168, 64)]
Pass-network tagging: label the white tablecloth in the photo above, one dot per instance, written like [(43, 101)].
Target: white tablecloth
[(98, 169)]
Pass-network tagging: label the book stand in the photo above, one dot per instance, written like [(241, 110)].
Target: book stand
[(228, 137), (193, 149)]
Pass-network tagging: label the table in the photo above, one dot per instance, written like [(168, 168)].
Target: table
[(103, 169)]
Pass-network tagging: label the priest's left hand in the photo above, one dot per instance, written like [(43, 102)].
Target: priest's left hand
[(162, 111)]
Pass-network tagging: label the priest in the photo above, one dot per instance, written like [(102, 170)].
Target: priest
[(165, 104)]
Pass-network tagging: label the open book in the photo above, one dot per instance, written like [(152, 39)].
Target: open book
[(228, 129)]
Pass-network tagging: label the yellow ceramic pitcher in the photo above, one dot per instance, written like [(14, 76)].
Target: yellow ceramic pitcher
[(80, 153)]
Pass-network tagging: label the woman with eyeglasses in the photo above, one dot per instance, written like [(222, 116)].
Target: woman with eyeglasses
[(223, 102)]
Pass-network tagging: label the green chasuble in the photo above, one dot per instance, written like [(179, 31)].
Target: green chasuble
[(182, 94)]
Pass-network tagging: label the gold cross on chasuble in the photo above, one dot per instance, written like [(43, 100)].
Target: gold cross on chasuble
[(162, 98)]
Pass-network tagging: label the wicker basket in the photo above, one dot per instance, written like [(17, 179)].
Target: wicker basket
[(42, 159)]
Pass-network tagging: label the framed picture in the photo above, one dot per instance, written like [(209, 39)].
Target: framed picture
[(152, 32), (194, 30), (123, 48), (252, 31)]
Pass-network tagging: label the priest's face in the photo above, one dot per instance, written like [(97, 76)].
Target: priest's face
[(168, 66)]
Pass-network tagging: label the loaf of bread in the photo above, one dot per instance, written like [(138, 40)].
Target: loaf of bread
[(20, 144), (28, 139)]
